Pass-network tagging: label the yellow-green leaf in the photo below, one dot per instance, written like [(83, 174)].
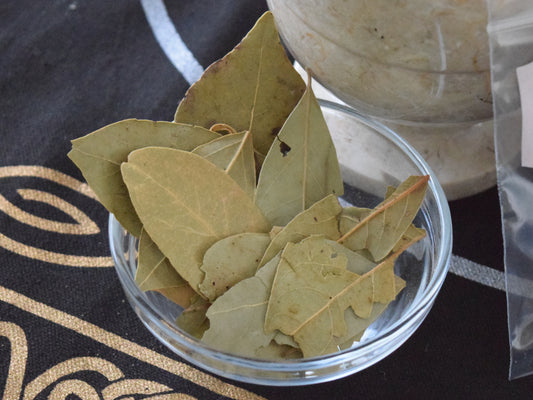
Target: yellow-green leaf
[(221, 150), (186, 204), (275, 230), (356, 326), (230, 260), (301, 167), (319, 219), (304, 303), (312, 289), (380, 230), (234, 153), (99, 154), (275, 351), (254, 87), (193, 319), (154, 272), (237, 317), (356, 263)]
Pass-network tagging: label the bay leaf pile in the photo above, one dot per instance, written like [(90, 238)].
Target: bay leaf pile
[(235, 204)]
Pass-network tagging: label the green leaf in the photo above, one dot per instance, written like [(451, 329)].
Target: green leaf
[(356, 326), (275, 351), (154, 272), (350, 217), (309, 275), (220, 151), (237, 317), (275, 230), (301, 167), (356, 263), (380, 230), (193, 319), (186, 204), (254, 87), (412, 235), (234, 154), (319, 219), (312, 289), (99, 154), (230, 260)]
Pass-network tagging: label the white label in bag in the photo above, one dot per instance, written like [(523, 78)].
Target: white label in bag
[(525, 85)]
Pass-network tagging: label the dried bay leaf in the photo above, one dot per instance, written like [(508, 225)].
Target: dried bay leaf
[(356, 326), (381, 229), (285, 340), (154, 272), (412, 235), (193, 319), (254, 87), (349, 218), (275, 230), (301, 167), (234, 153), (275, 351), (312, 289), (242, 166), (99, 154), (237, 317), (319, 219), (186, 204), (356, 263), (220, 150), (230, 260), (309, 276), (379, 285)]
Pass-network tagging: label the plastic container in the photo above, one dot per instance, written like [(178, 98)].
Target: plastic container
[(411, 60), (420, 67)]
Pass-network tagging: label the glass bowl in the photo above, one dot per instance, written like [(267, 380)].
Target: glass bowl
[(371, 157), (412, 60)]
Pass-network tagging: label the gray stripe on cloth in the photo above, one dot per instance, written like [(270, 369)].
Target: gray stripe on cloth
[(487, 276), (170, 40), (477, 272)]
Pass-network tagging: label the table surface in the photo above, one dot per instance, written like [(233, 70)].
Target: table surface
[(69, 67)]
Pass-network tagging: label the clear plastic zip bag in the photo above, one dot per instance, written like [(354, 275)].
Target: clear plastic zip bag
[(510, 32)]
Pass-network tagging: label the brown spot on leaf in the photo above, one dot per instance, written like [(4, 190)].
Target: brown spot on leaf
[(284, 148), (275, 131)]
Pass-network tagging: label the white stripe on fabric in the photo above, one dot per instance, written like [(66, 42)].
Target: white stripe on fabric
[(491, 277), (170, 41), (478, 273)]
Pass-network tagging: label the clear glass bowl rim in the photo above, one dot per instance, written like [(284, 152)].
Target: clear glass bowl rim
[(426, 300)]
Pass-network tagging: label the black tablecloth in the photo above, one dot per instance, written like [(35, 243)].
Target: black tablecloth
[(68, 67)]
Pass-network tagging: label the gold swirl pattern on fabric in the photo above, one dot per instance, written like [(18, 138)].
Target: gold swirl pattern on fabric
[(119, 386), (83, 225), (60, 388), (75, 387), (17, 362), (37, 171)]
